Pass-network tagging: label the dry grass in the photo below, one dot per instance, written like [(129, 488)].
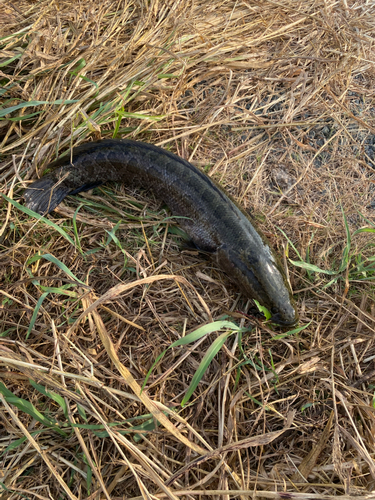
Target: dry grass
[(276, 101)]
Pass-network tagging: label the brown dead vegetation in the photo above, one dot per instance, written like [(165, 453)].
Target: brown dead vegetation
[(275, 100)]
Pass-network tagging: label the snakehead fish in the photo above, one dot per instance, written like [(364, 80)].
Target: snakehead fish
[(211, 219)]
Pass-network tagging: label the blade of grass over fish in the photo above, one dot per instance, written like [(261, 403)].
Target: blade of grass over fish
[(204, 364), (263, 310), (291, 332), (93, 205), (27, 211), (194, 336), (30, 104), (59, 264)]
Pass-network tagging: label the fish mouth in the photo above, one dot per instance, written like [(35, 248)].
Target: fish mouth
[(280, 320)]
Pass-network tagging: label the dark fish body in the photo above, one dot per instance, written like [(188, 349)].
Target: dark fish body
[(211, 219)]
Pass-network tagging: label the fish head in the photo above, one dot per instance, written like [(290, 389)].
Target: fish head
[(260, 276)]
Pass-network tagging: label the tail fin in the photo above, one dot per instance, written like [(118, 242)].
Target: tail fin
[(44, 195)]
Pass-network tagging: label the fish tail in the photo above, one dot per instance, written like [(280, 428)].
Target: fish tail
[(44, 195)]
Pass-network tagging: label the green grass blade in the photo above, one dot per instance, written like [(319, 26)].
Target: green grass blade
[(5, 333), (29, 408), (193, 337), (257, 402), (76, 235), (60, 290), (5, 391), (35, 313), (8, 61), (290, 242), (307, 259), (148, 426), (52, 395), (17, 442), (330, 283), (155, 118), (205, 330), (59, 264), (112, 237), (204, 364), (89, 474), (24, 117), (263, 310), (28, 104), (39, 217), (81, 412), (366, 219), (118, 121), (291, 332), (363, 230), (312, 267)]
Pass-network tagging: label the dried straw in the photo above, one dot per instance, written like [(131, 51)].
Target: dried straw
[(275, 100)]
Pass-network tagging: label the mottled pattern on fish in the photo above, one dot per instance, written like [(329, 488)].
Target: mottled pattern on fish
[(211, 219)]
